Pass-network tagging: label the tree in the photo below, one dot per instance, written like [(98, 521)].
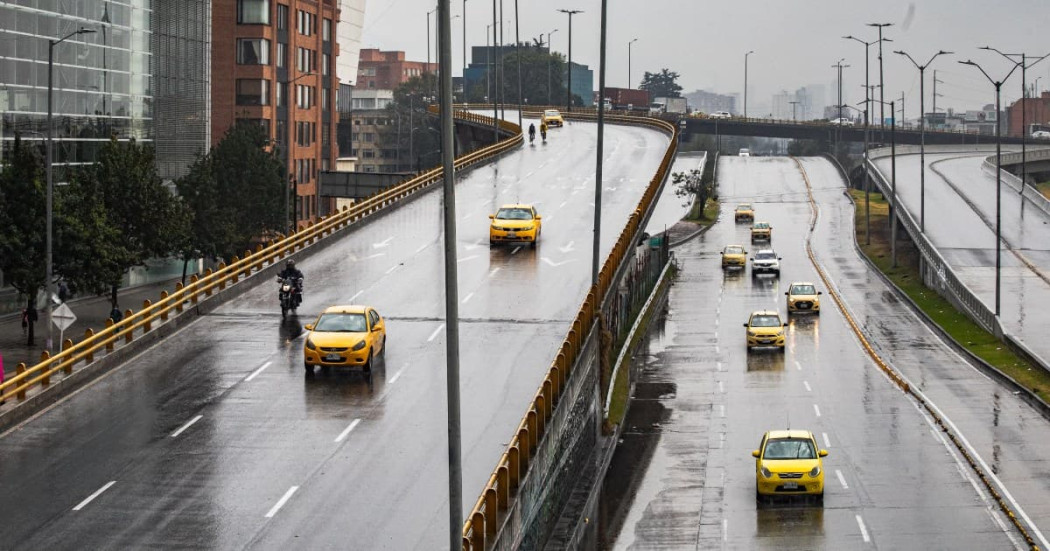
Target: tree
[(233, 195), (22, 235), (536, 64), (126, 210), (414, 132), (696, 185), (661, 85)]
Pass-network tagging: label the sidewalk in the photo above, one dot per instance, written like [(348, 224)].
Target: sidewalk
[(91, 312)]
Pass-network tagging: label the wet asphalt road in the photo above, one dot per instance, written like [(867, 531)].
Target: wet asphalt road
[(214, 439), (960, 221), (892, 481)]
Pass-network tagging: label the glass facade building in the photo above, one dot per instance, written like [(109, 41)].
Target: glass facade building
[(142, 74)]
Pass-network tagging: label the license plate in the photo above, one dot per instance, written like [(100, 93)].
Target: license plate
[(512, 234), (791, 485), (333, 358)]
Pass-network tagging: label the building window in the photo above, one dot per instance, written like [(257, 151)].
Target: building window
[(326, 30), (253, 92), (369, 137), (326, 130), (280, 127), (253, 12), (282, 17), (324, 64), (280, 92), (324, 99), (253, 51), (306, 23), (282, 54), (306, 60)]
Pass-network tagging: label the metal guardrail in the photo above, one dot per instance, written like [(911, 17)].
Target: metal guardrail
[(938, 275), (200, 288), (482, 524), (1032, 194)]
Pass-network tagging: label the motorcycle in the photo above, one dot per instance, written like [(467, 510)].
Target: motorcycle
[(290, 294)]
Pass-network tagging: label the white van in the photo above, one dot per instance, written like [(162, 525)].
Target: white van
[(745, 152)]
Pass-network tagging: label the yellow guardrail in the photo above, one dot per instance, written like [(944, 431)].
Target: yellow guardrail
[(152, 313), (482, 524)]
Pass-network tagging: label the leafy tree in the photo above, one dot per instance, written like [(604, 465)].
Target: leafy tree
[(233, 195), (22, 235), (661, 85), (419, 137), (694, 184), (536, 64), (128, 212)]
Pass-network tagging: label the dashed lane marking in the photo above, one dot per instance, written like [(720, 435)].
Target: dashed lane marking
[(798, 365), (806, 384), (284, 499), (842, 479), (816, 409), (863, 530), (435, 333), (467, 298), (186, 426), (827, 442), (494, 271), (396, 376), (256, 373), (92, 497), (347, 430)]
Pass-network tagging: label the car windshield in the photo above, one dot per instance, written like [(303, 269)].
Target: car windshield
[(514, 214), (342, 323), (745, 206), (765, 321), (734, 250), (790, 448), (765, 256), (552, 113), (803, 290), (761, 226)]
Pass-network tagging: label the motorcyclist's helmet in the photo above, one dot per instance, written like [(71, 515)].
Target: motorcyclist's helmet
[(290, 264)]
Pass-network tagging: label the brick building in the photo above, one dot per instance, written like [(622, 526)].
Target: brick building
[(273, 63), (385, 70), (1037, 112)]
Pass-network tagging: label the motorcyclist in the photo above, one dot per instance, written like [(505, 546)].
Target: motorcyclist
[(543, 130), (532, 132), (290, 272)]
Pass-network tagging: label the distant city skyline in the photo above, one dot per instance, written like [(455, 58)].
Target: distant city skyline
[(795, 43)]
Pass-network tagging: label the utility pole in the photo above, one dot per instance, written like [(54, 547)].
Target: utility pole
[(600, 150), (633, 40), (935, 94), (464, 51), (495, 78), (568, 68), (549, 55), (882, 82), (517, 54), (745, 82)]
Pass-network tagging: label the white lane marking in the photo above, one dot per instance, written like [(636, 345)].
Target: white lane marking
[(563, 203), (722, 440), (827, 443), (494, 270), (466, 258), (721, 410), (567, 247), (384, 243), (347, 430), (516, 249), (556, 264), (798, 365), (91, 497), (548, 218), (420, 249), (396, 376), (392, 268), (725, 529), (473, 245), (863, 530), (284, 499), (186, 426), (468, 297), (806, 384), (720, 368), (816, 409), (357, 294), (435, 333), (721, 387), (718, 350), (371, 256), (256, 373), (717, 321), (842, 479)]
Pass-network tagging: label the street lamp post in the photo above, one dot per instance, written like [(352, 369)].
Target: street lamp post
[(745, 81), (794, 104), (464, 51), (922, 131), (1024, 115), (867, 104), (838, 127), (882, 87), (549, 100), (600, 148), (893, 182), (517, 54), (998, 175), (49, 271), (568, 68), (633, 40)]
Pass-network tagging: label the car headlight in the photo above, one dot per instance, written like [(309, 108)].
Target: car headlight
[(780, 333), (751, 333), (766, 473), (359, 345), (815, 472), (310, 344), (527, 228)]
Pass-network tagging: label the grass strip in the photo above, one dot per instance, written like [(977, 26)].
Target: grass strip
[(1044, 188), (906, 276)]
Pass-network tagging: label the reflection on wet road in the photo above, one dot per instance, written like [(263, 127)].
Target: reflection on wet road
[(215, 439), (892, 480)]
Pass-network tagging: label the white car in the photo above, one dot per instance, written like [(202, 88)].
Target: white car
[(720, 115), (841, 122), (765, 261), (1041, 134), (745, 152)]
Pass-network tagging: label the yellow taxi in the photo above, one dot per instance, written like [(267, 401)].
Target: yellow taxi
[(789, 462), (553, 118), (761, 231), (744, 211), (345, 336), (765, 328), (734, 256), (803, 296), (517, 223)]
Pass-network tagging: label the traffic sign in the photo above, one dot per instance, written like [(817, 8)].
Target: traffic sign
[(63, 317)]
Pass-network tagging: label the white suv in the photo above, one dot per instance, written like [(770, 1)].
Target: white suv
[(765, 261)]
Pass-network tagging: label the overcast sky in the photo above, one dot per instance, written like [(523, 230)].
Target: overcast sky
[(796, 42)]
